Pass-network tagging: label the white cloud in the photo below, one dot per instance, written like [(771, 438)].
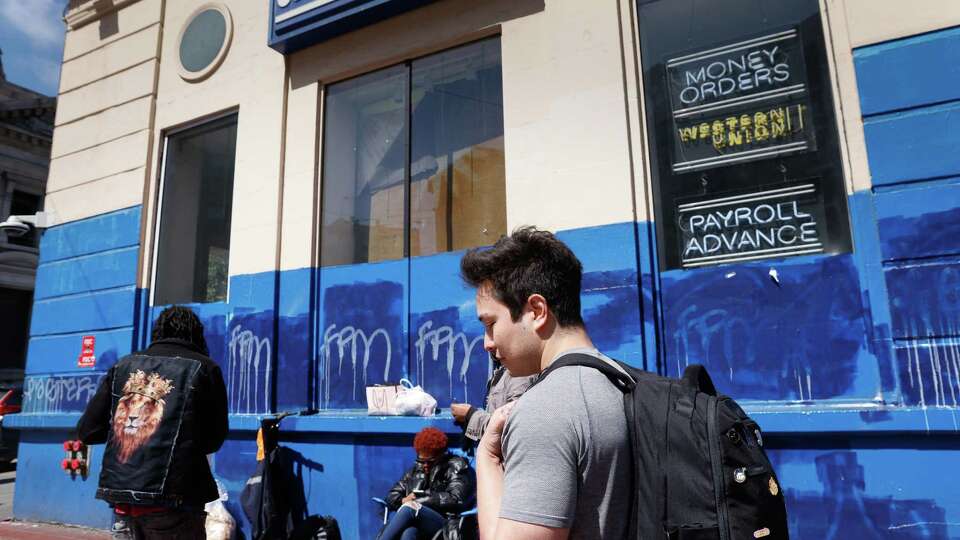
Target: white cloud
[(41, 21)]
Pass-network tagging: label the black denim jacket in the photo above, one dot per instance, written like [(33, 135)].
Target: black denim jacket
[(160, 412)]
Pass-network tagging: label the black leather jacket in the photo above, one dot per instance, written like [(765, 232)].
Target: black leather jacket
[(450, 486), (160, 411)]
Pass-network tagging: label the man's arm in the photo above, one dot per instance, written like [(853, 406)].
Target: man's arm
[(476, 424), (94, 425), (490, 490)]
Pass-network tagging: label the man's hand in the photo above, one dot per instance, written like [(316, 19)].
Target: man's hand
[(492, 440), (408, 498), (459, 411)]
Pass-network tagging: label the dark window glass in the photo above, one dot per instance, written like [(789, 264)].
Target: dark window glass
[(15, 308), (194, 242), (202, 40), (384, 198), (24, 204), (457, 191), (364, 169)]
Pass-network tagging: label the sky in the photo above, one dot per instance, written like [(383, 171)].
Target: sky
[(31, 38)]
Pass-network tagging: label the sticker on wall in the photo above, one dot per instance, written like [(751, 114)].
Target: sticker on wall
[(87, 356)]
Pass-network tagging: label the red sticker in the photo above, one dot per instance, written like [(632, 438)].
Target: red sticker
[(87, 357)]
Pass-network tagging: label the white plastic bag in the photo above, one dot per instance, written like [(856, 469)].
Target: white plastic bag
[(414, 401), (220, 525)]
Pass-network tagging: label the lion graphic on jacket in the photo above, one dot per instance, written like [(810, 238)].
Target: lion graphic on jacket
[(139, 411)]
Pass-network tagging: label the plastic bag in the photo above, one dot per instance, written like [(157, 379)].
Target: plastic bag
[(220, 525), (414, 401)]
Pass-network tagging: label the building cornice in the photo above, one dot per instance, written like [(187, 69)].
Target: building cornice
[(88, 11)]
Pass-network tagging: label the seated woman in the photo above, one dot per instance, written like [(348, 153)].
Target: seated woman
[(439, 484)]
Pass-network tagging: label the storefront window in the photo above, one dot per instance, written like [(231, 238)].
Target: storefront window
[(744, 147), (194, 240), (385, 198)]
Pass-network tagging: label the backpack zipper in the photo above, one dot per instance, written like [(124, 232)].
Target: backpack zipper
[(717, 466)]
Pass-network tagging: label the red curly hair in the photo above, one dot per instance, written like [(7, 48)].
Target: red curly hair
[(430, 441)]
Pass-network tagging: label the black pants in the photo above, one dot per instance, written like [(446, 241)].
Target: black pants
[(169, 525)]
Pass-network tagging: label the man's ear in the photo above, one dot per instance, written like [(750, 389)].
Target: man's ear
[(540, 309)]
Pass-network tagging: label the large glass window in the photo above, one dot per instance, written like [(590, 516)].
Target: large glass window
[(193, 246), (413, 158)]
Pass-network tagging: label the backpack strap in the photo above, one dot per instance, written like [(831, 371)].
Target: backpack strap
[(696, 376), (617, 375)]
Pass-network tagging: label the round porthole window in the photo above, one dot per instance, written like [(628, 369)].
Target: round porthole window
[(204, 41)]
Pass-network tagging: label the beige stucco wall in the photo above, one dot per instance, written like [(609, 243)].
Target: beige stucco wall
[(102, 141), (573, 109), (250, 80), (873, 21)]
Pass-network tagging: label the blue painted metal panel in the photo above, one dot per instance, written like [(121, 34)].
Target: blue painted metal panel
[(104, 270), (610, 298), (925, 298), (364, 311), (296, 343), (916, 144), (446, 339), (85, 312), (930, 372), (907, 73), (301, 23), (867, 257), (880, 488), (44, 492), (800, 340), (920, 220), (59, 353), (101, 233)]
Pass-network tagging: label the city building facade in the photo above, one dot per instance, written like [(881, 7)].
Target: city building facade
[(26, 129), (767, 188)]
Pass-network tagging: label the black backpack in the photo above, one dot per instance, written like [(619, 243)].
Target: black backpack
[(700, 470)]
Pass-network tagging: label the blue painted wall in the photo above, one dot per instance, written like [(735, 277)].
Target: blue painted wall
[(85, 286), (851, 362), (910, 114)]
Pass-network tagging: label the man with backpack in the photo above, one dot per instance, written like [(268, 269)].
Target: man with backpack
[(561, 467), (673, 459)]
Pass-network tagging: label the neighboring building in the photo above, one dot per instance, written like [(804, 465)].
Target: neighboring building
[(26, 128), (768, 188)]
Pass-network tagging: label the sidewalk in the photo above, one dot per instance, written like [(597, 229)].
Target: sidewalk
[(24, 530)]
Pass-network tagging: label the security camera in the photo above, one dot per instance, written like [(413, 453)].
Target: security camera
[(14, 227), (21, 225)]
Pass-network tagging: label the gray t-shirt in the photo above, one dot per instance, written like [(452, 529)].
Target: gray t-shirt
[(567, 457)]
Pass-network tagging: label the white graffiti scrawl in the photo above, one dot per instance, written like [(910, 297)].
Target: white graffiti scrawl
[(249, 362), (355, 343), (358, 346), (55, 394), (431, 340)]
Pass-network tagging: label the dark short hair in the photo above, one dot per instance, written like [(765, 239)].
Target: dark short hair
[(529, 261), (181, 323)]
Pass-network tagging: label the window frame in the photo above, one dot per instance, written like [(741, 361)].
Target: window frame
[(322, 97), (165, 135)]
